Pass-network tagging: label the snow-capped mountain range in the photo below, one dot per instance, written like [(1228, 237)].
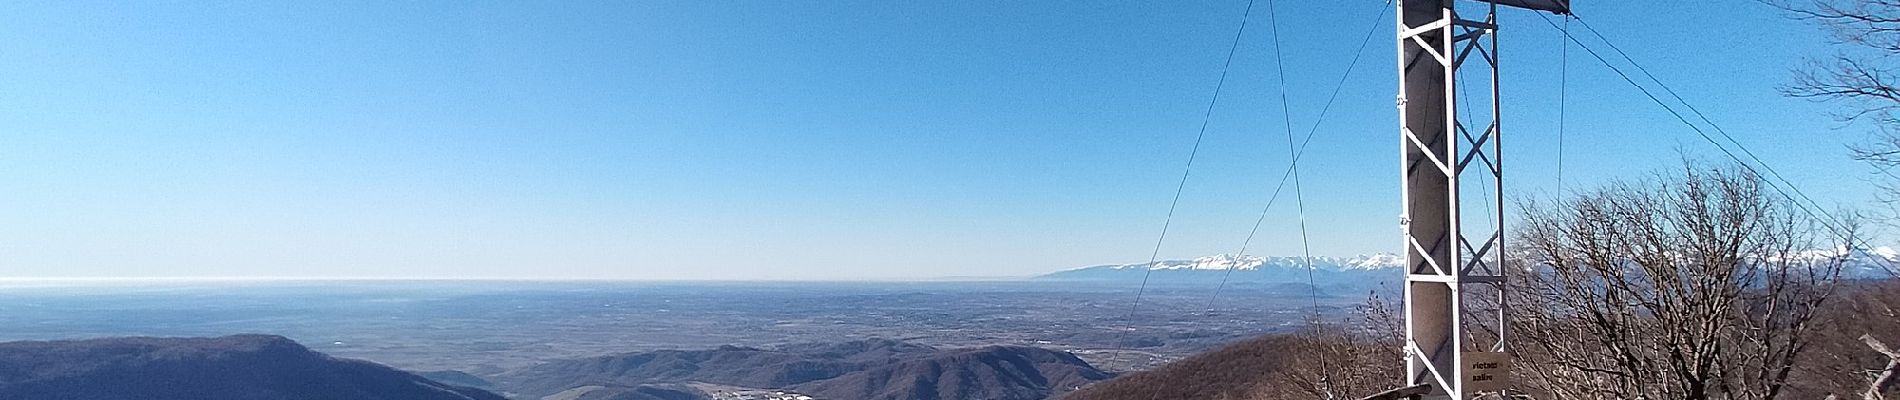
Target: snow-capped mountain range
[(1225, 262), (1872, 263), (1372, 268), (1868, 263)]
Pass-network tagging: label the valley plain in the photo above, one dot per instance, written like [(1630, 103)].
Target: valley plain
[(486, 327)]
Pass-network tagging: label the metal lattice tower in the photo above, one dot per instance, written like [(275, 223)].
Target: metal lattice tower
[(1445, 263)]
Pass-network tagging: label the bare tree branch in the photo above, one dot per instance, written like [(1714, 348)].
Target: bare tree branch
[(1690, 286)]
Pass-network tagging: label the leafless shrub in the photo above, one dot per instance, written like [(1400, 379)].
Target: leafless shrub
[(1700, 286)]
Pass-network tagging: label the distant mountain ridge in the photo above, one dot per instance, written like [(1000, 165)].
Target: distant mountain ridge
[(241, 367), (1223, 262), (1864, 263), (1857, 263), (1355, 270)]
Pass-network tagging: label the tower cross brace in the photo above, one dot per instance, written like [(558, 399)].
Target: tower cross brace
[(1446, 266)]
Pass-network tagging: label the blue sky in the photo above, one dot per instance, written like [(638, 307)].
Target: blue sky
[(784, 140)]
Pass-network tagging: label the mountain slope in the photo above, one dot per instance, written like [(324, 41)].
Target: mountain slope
[(1237, 371), (232, 367), (729, 365), (643, 392), (995, 373), (865, 369)]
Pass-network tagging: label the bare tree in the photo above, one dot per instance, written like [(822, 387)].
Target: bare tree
[(1698, 286), (1861, 77), (1884, 378)]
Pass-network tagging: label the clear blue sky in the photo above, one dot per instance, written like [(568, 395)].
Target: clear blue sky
[(781, 140)]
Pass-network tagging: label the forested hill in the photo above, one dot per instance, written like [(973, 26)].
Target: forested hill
[(238, 367)]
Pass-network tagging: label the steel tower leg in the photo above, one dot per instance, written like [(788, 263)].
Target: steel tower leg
[(1436, 150)]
